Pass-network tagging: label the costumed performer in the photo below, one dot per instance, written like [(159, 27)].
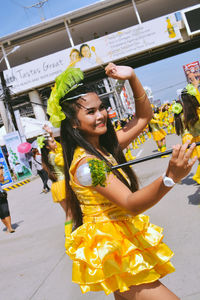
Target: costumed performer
[(114, 247), (191, 110), (177, 110), (53, 163), (157, 132)]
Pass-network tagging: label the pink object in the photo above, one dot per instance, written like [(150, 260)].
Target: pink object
[(24, 147)]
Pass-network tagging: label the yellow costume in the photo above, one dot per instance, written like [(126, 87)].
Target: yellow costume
[(113, 249), (195, 132), (57, 162), (157, 132)]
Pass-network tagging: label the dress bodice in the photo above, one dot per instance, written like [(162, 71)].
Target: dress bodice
[(57, 161), (195, 130), (94, 206)]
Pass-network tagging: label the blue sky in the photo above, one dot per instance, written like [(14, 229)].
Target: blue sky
[(164, 77), (14, 14)]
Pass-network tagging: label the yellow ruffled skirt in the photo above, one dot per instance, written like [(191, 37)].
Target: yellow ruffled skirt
[(114, 255), (196, 151), (58, 191), (159, 135)]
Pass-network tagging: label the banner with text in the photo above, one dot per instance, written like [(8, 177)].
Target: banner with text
[(111, 47)]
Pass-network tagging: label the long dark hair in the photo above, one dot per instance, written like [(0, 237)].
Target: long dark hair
[(45, 161), (179, 125), (190, 105), (71, 138)]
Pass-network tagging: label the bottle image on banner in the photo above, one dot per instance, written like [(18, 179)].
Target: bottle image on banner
[(170, 28)]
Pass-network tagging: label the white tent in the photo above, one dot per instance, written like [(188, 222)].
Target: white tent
[(31, 128)]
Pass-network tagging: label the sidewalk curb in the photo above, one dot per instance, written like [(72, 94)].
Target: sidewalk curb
[(16, 185)]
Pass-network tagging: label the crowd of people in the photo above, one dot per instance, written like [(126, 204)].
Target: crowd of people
[(113, 245)]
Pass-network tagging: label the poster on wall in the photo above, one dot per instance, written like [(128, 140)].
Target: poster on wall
[(18, 161), (192, 71), (100, 51), (6, 172)]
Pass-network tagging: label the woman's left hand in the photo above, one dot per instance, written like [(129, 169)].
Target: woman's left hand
[(119, 72)]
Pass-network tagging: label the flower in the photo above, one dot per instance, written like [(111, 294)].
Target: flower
[(177, 108), (40, 141), (191, 90)]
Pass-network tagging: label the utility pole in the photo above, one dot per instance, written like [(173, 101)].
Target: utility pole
[(7, 100), (39, 5)]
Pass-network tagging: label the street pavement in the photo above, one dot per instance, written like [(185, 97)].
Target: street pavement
[(33, 263)]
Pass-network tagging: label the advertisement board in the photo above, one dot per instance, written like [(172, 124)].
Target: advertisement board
[(6, 172), (192, 71), (18, 161), (111, 47)]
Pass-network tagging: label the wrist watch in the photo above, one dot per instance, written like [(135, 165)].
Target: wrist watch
[(167, 181)]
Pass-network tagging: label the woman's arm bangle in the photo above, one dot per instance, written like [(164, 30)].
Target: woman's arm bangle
[(140, 98)]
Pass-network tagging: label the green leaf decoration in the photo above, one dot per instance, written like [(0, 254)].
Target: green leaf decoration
[(65, 82), (177, 108), (68, 80), (191, 89), (99, 171), (40, 141)]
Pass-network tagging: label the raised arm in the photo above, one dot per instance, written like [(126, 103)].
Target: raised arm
[(143, 113), (143, 199), (48, 130)]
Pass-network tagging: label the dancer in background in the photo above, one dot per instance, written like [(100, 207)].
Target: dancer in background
[(191, 112), (157, 132), (53, 163), (114, 248), (177, 109)]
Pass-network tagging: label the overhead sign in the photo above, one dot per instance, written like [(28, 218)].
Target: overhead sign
[(111, 47)]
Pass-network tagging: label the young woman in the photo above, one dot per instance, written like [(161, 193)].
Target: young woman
[(114, 248), (157, 132), (191, 112), (53, 163), (38, 168)]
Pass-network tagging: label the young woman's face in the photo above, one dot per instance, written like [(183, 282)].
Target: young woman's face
[(52, 144), (92, 116), (74, 56), (85, 51)]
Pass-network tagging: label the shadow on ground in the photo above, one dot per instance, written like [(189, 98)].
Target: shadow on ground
[(14, 225)]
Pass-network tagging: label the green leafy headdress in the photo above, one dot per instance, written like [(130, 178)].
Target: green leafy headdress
[(177, 108), (66, 82)]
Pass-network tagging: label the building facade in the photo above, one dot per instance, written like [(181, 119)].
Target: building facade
[(127, 32)]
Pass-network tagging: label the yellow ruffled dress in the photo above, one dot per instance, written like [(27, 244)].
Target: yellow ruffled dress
[(195, 132), (113, 249), (157, 132), (57, 162)]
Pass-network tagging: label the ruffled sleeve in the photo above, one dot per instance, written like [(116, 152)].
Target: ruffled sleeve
[(59, 160)]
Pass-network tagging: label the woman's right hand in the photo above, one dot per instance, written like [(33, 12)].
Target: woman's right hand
[(180, 164), (47, 129), (119, 72)]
